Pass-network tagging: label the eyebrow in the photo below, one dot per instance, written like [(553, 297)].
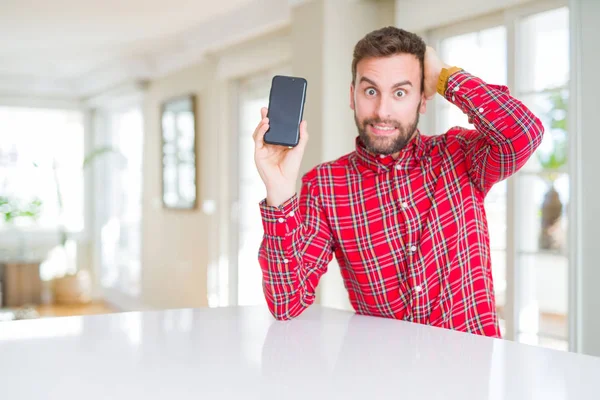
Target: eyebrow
[(402, 83)]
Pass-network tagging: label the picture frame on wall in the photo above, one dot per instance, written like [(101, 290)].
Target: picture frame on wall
[(179, 153)]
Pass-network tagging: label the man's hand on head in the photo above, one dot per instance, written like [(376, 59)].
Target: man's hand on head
[(433, 67)]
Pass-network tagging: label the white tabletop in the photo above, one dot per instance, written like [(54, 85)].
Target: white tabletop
[(242, 353)]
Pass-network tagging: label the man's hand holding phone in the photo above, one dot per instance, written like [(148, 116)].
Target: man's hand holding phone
[(277, 165)]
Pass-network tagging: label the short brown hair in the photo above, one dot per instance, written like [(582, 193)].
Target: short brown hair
[(387, 42)]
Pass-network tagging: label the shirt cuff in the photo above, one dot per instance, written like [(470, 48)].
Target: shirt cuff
[(282, 220)]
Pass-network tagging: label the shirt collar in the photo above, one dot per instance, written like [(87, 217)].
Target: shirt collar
[(409, 156)]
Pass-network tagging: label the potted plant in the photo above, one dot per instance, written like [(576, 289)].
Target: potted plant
[(14, 210), (18, 269), (553, 163)]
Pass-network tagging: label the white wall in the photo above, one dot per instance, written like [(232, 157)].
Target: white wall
[(175, 243), (181, 249)]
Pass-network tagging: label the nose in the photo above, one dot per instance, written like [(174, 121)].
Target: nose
[(384, 111)]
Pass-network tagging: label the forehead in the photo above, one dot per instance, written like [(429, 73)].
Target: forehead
[(389, 70)]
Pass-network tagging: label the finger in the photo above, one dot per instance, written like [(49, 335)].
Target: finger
[(263, 112), (260, 124), (260, 134)]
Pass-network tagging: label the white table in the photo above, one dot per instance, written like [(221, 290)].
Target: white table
[(242, 353)]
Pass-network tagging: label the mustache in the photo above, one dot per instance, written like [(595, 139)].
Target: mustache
[(373, 121)]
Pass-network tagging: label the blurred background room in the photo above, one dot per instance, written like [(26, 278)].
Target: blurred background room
[(127, 178)]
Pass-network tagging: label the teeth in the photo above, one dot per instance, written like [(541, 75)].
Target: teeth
[(385, 128)]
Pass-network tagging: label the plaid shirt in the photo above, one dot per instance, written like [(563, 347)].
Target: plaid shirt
[(410, 234)]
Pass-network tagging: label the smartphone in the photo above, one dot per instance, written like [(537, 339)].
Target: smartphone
[(286, 106)]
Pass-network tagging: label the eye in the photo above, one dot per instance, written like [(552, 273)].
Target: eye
[(370, 92), (400, 93)]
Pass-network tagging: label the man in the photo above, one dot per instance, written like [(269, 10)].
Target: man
[(404, 212)]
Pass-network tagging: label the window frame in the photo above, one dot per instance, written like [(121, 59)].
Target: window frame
[(101, 110)]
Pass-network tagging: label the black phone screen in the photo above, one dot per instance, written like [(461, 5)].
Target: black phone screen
[(286, 106)]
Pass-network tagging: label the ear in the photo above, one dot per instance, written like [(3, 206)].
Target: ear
[(352, 96), (423, 106)]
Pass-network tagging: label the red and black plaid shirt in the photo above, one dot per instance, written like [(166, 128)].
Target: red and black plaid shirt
[(410, 234)]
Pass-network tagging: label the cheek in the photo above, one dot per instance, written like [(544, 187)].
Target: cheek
[(407, 108), (364, 107)]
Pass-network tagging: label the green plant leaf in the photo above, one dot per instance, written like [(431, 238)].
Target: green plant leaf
[(557, 158)]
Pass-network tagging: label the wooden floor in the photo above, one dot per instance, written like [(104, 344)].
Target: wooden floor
[(55, 310)]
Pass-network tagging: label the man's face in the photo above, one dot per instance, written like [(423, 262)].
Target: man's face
[(387, 99)]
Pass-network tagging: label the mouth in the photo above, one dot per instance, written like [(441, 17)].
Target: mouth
[(382, 129)]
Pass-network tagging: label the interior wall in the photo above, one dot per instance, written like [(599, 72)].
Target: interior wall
[(174, 253), (183, 251)]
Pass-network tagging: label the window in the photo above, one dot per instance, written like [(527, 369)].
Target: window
[(542, 187), (119, 186), (42, 150), (529, 239)]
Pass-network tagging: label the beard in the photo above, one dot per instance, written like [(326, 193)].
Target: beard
[(386, 144)]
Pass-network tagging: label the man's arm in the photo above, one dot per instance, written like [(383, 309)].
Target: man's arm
[(506, 132), (296, 248), (297, 242)]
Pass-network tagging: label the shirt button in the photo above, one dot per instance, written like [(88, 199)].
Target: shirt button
[(291, 213), (481, 109), (285, 261), (413, 248), (418, 288), (398, 166), (281, 220), (456, 88), (404, 205), (382, 156)]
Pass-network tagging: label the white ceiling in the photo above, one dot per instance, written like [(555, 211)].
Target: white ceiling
[(76, 48)]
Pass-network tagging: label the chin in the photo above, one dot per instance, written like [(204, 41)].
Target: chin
[(384, 145)]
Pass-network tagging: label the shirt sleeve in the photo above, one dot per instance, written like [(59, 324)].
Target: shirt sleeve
[(506, 132), (296, 248)]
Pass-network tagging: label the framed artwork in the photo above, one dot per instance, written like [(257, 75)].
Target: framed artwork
[(178, 133)]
